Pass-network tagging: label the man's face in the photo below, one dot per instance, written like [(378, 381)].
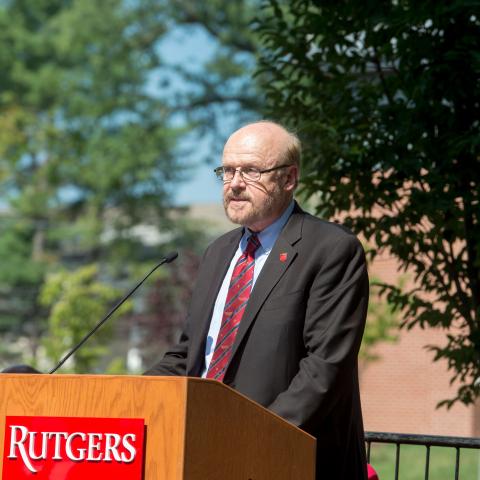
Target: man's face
[(256, 204)]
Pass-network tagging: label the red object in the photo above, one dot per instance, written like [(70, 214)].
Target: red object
[(73, 448), (372, 474), (235, 304), (283, 257)]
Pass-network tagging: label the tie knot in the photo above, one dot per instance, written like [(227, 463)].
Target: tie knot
[(252, 245)]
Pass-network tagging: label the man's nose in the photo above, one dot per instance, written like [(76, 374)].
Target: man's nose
[(237, 179)]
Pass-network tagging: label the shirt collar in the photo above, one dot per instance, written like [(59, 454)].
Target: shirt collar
[(269, 235)]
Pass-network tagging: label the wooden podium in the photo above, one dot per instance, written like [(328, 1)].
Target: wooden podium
[(196, 429)]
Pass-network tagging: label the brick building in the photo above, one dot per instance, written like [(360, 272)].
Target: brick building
[(400, 390)]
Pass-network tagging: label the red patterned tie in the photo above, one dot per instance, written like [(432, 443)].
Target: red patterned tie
[(237, 299)]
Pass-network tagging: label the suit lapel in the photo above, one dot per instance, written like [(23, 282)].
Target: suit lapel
[(200, 320), (271, 273)]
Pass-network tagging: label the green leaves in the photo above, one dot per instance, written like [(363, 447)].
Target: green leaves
[(86, 150), (76, 302), (386, 99)]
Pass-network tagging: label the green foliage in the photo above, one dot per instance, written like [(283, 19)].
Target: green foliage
[(76, 301), (88, 138), (80, 131), (19, 276), (86, 149), (386, 97), (218, 92), (382, 321)]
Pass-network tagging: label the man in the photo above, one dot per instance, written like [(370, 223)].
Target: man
[(279, 307)]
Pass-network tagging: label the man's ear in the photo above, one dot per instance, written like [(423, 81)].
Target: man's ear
[(291, 179)]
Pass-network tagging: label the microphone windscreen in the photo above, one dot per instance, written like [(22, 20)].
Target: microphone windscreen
[(170, 257)]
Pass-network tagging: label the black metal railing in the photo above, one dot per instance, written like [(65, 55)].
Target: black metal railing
[(427, 441)]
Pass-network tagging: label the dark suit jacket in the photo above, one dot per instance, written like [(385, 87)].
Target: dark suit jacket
[(297, 344)]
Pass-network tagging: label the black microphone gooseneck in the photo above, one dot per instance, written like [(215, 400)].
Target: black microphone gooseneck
[(167, 259)]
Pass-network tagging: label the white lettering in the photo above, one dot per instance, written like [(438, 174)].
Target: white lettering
[(80, 451), (112, 447), (128, 446), (31, 446), (92, 445), (58, 443), (77, 446), (19, 443)]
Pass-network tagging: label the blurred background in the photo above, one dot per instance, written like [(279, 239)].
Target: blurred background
[(113, 115)]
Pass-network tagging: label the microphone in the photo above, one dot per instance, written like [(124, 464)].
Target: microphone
[(170, 257)]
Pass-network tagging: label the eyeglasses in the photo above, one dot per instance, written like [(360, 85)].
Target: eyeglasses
[(252, 174)]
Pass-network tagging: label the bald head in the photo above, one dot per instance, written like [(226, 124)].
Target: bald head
[(264, 160), (278, 144)]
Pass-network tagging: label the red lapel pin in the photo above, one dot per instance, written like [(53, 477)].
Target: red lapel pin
[(283, 257)]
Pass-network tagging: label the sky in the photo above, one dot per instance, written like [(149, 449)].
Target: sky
[(200, 185)]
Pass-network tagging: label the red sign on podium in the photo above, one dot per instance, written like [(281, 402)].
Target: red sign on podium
[(73, 448)]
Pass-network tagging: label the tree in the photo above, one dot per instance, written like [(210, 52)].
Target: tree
[(386, 96), (76, 301), (86, 150), (87, 147), (215, 92), (166, 307)]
